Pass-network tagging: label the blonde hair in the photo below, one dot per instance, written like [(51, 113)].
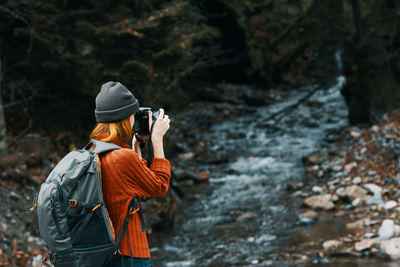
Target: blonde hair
[(109, 131)]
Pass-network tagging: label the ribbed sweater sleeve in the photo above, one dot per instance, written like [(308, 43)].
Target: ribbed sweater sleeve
[(138, 178)]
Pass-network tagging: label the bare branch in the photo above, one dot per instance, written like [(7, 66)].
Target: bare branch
[(277, 116)]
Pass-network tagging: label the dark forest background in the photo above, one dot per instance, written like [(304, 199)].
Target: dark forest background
[(54, 55)]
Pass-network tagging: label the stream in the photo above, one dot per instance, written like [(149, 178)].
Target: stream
[(245, 216), (240, 217)]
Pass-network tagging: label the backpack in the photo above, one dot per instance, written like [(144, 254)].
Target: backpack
[(73, 219)]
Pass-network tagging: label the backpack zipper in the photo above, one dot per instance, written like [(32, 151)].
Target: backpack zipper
[(60, 196), (54, 215)]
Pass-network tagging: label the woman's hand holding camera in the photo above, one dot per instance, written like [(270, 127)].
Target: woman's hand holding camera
[(160, 127)]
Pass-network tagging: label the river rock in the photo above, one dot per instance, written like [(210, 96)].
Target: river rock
[(376, 198), (317, 189), (310, 214), (375, 189), (349, 167), (356, 202), (182, 175), (323, 202), (391, 248), (364, 244), (337, 168), (369, 235), (305, 222), (3, 227), (352, 192), (331, 244), (359, 224), (357, 180), (340, 191), (355, 134), (186, 156), (390, 205), (245, 216), (310, 159), (307, 218), (294, 187), (15, 196), (203, 175), (388, 229)]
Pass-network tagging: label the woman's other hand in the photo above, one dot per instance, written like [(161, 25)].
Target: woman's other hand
[(136, 147)]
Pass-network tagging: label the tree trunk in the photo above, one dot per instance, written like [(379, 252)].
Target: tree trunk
[(3, 136), (357, 19)]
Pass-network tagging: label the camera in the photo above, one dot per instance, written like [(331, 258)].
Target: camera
[(142, 120)]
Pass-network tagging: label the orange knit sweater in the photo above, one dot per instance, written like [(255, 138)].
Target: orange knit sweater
[(125, 176)]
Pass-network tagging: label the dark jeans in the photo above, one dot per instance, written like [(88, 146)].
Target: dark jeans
[(125, 261)]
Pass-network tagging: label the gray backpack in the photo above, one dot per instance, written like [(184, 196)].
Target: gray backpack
[(73, 219)]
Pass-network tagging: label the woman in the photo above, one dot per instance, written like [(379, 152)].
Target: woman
[(124, 173)]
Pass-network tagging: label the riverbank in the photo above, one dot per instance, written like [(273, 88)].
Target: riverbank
[(352, 193)]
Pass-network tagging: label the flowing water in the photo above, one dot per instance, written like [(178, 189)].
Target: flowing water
[(240, 217), (245, 216)]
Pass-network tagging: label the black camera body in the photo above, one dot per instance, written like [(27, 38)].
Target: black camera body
[(142, 120)]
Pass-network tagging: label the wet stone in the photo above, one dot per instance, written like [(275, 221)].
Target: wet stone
[(348, 168), (349, 207), (391, 248), (305, 222), (186, 156), (353, 192), (359, 224), (310, 160), (323, 202), (357, 180), (317, 189), (319, 259), (331, 244), (355, 134), (245, 216), (294, 187), (15, 196), (356, 202), (388, 229), (309, 214), (364, 244), (390, 205)]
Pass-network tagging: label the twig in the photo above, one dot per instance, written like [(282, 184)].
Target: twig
[(283, 112)]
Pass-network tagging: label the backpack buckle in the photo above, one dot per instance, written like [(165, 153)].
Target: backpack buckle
[(95, 207), (34, 205), (72, 203), (133, 211)]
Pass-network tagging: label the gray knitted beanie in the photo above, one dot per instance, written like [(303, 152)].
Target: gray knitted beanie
[(114, 103)]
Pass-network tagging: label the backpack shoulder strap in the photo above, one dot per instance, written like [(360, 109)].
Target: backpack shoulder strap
[(134, 207), (100, 146)]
